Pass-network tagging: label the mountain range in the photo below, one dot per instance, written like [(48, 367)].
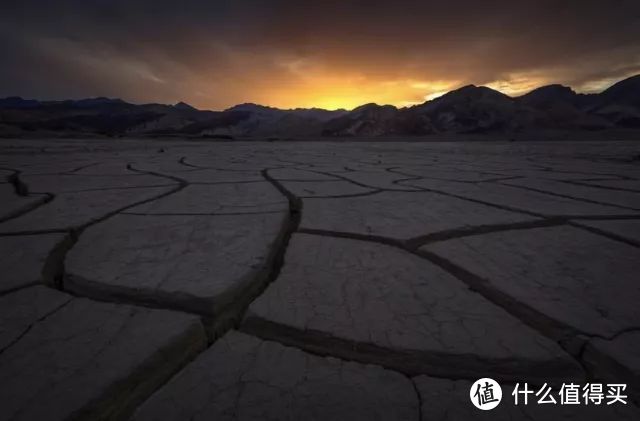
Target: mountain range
[(467, 110)]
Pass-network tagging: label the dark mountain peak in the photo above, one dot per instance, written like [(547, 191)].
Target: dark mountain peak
[(471, 93), (366, 120), (18, 102), (372, 106), (554, 90), (13, 99), (97, 101), (468, 109), (252, 107), (316, 109), (464, 96), (632, 82), (466, 88), (365, 106), (482, 91), (184, 106), (626, 91), (272, 114), (317, 113), (549, 95)]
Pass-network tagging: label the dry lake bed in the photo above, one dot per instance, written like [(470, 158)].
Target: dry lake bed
[(175, 280)]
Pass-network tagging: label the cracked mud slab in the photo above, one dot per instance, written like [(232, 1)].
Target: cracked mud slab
[(377, 302), (21, 309), (458, 174), (570, 275), (201, 175), (521, 199), (23, 259), (100, 168), (377, 179), (299, 175), (628, 200), (325, 188), (70, 210), (83, 359), (402, 215), (448, 400), (628, 185), (219, 176), (43, 165), (195, 263), (222, 198), (244, 378), (65, 183), (13, 205), (627, 229), (191, 246), (617, 358)]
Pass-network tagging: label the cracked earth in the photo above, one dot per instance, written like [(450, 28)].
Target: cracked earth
[(167, 280)]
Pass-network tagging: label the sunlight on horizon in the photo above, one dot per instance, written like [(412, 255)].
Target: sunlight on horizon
[(334, 93)]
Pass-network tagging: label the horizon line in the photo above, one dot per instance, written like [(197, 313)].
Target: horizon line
[(138, 103)]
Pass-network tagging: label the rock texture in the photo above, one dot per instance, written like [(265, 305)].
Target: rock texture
[(80, 359), (24, 258), (617, 358), (70, 210), (244, 378), (403, 216), (166, 279), (191, 262), (398, 308), (563, 282)]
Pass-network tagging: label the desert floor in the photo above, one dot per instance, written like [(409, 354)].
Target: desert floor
[(174, 280)]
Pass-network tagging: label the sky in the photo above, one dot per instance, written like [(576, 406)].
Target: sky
[(295, 53)]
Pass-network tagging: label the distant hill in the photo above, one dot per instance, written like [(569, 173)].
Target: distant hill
[(469, 110), (365, 120), (626, 91)]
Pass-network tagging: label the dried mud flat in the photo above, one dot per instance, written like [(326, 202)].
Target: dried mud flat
[(167, 280)]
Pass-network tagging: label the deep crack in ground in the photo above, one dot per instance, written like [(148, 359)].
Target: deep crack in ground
[(413, 263)]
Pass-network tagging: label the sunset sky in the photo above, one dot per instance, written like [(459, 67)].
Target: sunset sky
[(329, 54)]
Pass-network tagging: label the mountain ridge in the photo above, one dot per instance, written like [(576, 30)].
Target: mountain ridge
[(468, 109)]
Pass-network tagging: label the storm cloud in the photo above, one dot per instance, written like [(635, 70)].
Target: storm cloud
[(214, 54)]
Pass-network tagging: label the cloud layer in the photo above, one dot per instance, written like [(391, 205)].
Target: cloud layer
[(331, 54)]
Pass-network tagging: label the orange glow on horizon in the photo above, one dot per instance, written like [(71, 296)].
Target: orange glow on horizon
[(347, 93), (314, 89)]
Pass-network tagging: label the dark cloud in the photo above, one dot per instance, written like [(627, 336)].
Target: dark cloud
[(217, 53)]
